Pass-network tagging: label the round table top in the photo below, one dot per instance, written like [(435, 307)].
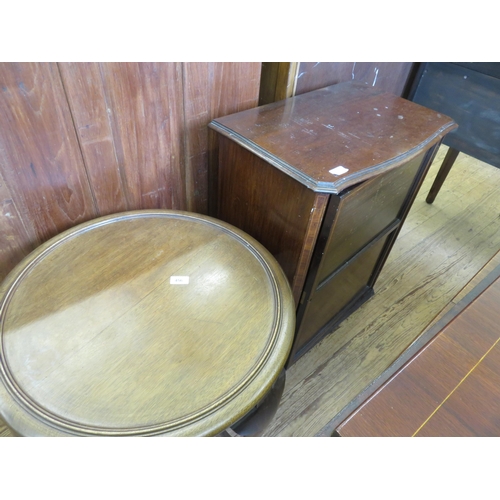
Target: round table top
[(142, 323)]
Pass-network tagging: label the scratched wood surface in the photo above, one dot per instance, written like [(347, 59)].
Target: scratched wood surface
[(80, 140), (280, 80), (387, 76), (97, 340), (45, 185), (85, 91), (440, 248), (350, 125)]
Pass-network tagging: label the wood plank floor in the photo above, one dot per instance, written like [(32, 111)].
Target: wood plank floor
[(439, 250)]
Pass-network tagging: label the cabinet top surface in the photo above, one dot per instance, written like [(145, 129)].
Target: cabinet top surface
[(154, 322), (334, 137)]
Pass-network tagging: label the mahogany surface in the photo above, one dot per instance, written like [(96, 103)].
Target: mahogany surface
[(451, 386), (356, 226), (278, 212), (142, 323), (330, 231), (349, 125)]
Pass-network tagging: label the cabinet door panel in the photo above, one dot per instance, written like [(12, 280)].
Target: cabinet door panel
[(338, 292), (364, 211)]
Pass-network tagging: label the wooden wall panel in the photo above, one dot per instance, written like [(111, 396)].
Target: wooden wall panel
[(80, 140), (388, 76), (145, 100), (197, 114), (211, 90), (85, 91), (16, 241), (40, 157)]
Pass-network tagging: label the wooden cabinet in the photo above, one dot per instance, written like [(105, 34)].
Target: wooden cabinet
[(325, 180)]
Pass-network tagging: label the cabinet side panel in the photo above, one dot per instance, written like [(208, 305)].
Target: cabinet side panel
[(264, 202), (234, 87)]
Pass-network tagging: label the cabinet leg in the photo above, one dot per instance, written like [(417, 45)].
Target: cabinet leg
[(444, 170)]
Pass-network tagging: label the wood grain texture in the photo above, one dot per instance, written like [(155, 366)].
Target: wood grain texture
[(353, 126), (476, 279), (235, 88), (16, 240), (86, 139), (439, 249), (272, 158), (146, 110), (41, 160), (96, 339), (388, 76), (365, 211), (211, 90), (92, 115), (270, 206), (450, 386), (197, 114), (316, 218)]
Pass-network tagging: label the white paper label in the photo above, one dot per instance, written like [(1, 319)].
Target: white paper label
[(179, 280), (339, 170)]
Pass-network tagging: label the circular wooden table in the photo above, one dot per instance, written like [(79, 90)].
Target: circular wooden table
[(142, 323)]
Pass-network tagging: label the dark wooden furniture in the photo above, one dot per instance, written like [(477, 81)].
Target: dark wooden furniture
[(450, 387), (324, 180), (143, 323), (470, 94)]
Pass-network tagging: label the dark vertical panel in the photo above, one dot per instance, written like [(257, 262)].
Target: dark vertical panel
[(233, 87), (277, 81), (83, 85), (39, 153), (145, 102), (388, 76)]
